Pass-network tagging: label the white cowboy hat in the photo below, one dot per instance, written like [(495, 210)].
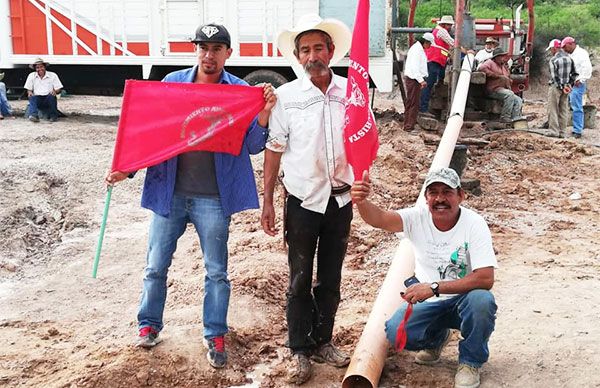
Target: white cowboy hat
[(446, 19), (340, 35), (39, 61)]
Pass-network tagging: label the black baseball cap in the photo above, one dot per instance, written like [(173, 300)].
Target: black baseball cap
[(212, 33)]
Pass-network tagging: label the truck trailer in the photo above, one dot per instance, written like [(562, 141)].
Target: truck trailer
[(94, 44)]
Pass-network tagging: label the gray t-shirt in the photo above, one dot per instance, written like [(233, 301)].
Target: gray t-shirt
[(196, 174)]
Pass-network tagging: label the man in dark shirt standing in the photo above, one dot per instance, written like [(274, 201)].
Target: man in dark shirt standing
[(562, 77)]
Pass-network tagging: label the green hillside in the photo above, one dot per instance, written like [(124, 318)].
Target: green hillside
[(553, 18)]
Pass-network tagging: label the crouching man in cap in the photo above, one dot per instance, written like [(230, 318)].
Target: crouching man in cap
[(306, 138), (454, 263), (42, 88), (203, 188)]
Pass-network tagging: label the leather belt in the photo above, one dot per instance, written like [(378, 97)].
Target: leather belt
[(340, 190)]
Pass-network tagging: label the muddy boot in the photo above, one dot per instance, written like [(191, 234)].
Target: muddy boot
[(300, 369), (331, 355), (466, 377), (432, 356)]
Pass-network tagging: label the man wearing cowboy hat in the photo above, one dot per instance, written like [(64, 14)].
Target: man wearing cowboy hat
[(437, 57), (498, 86), (583, 67), (42, 88), (306, 139), (5, 109), (486, 53), (562, 78)]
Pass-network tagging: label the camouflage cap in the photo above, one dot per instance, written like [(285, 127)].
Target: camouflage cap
[(443, 175)]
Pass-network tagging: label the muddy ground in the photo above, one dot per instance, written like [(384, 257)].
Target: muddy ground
[(61, 328)]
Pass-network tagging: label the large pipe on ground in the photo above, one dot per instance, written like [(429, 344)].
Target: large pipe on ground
[(370, 353)]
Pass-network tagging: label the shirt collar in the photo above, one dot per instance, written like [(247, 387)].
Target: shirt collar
[(223, 79), (336, 81), (45, 75)]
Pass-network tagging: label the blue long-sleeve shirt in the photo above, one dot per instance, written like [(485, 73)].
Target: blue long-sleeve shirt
[(235, 177)]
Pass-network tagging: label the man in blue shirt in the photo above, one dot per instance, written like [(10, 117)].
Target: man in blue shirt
[(204, 188)]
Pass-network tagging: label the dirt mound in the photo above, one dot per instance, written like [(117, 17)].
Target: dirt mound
[(30, 229), (132, 368), (60, 328)]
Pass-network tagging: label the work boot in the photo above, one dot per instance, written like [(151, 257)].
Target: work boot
[(216, 355), (147, 338), (432, 356), (300, 369), (331, 355), (466, 377)]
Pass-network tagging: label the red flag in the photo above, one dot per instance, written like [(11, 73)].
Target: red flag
[(360, 133), (401, 331), (162, 119)]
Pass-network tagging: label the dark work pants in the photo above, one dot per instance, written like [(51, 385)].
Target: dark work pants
[(436, 73), (413, 95), (311, 310), (47, 102)]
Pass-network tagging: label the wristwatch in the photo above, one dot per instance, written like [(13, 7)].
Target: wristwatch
[(435, 287)]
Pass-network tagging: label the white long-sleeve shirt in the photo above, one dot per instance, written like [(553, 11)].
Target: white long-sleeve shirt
[(416, 63), (583, 65), (307, 126), (444, 35)]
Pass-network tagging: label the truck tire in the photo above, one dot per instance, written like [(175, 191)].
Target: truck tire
[(269, 76)]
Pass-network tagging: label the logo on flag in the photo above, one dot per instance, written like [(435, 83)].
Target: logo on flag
[(200, 125), (357, 98)]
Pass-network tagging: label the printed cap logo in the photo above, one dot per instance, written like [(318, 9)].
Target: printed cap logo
[(210, 30)]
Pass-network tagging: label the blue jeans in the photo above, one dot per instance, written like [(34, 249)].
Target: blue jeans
[(436, 72), (473, 313), (576, 100), (47, 103), (212, 227), (5, 109)]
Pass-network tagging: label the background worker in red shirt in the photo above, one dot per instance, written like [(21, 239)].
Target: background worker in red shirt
[(437, 57)]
